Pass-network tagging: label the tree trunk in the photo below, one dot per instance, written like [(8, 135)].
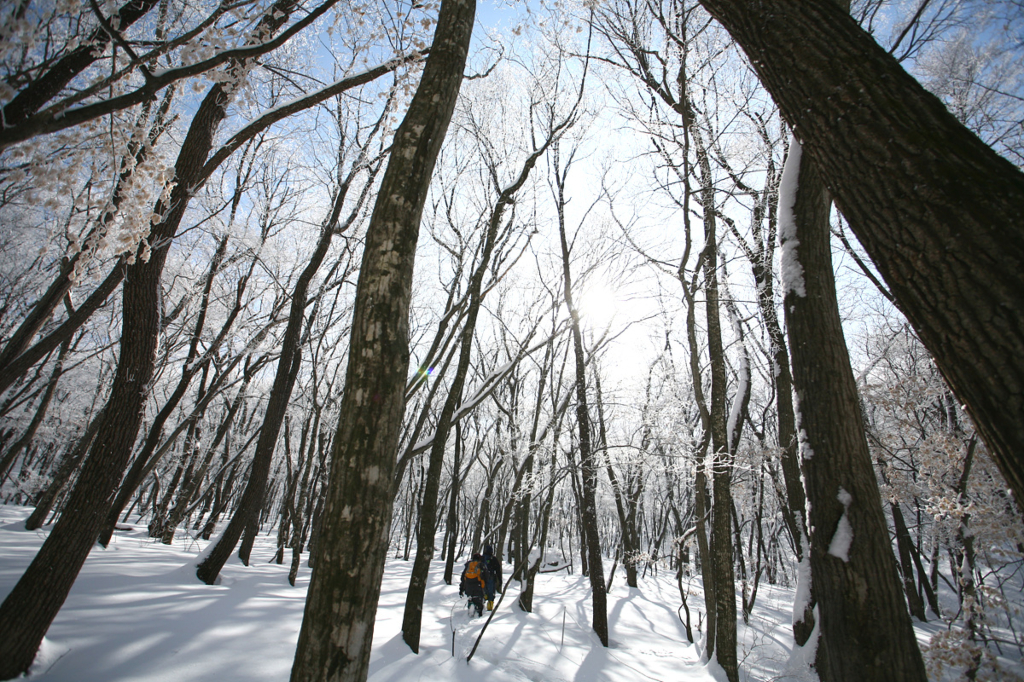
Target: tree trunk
[(337, 627), (189, 493), (588, 463), (452, 525), (936, 209), (905, 546), (721, 458), (866, 633), (627, 521)]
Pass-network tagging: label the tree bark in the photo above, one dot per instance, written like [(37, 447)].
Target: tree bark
[(866, 633), (337, 628), (936, 209), (452, 524), (721, 459), (588, 463), (905, 546)]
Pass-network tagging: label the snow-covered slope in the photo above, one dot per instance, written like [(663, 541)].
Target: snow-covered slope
[(138, 613)]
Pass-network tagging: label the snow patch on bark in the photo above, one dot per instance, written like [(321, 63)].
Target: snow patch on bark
[(843, 537), (743, 386), (806, 451), (800, 665), (792, 271), (802, 597)]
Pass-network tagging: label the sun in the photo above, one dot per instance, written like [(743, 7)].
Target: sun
[(599, 306)]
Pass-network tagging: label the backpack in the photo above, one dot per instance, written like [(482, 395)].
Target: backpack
[(475, 571)]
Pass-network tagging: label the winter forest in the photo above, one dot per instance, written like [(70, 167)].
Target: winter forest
[(706, 315)]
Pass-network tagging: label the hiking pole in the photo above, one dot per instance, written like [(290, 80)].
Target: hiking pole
[(563, 630), (451, 626)]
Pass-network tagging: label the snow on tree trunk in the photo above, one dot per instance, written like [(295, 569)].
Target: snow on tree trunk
[(866, 633)]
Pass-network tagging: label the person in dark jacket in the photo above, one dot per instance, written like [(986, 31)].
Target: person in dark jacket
[(493, 578), (474, 582)]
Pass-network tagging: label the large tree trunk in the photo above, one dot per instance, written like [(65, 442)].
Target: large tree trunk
[(937, 210), (337, 626), (866, 633), (32, 605)]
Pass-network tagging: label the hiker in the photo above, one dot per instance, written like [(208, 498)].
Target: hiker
[(473, 583), (493, 577)]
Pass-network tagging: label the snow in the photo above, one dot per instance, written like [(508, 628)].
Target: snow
[(792, 271), (137, 613), (806, 451), (743, 386), (799, 666), (843, 537)]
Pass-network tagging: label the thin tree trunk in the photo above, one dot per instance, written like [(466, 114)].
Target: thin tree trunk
[(588, 464), (628, 531), (452, 525), (905, 546), (721, 458)]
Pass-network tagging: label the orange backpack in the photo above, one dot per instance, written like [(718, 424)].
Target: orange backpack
[(475, 571)]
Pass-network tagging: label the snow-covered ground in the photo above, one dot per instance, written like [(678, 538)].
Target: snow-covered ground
[(138, 613)]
